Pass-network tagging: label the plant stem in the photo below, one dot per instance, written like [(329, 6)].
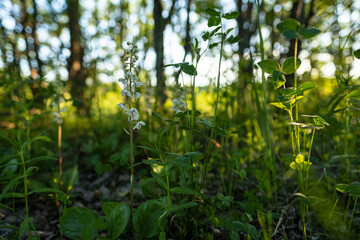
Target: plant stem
[(296, 104), (25, 190), (352, 216), (209, 143)]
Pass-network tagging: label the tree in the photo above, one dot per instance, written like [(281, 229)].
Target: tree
[(76, 69), (160, 24)]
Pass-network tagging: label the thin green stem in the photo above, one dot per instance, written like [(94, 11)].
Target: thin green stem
[(209, 143), (296, 104), (99, 188), (25, 190), (309, 155), (352, 216)]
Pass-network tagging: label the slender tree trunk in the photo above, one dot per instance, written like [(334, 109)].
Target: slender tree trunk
[(77, 72), (159, 49)]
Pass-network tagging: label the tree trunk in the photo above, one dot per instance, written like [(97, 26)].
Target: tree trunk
[(159, 49), (77, 72)]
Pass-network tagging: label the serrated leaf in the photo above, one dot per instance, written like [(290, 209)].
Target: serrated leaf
[(212, 12), (184, 190), (214, 21), (269, 66), (288, 66), (231, 15), (307, 33)]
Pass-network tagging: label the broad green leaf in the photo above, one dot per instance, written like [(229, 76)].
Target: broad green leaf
[(188, 69), (288, 66), (212, 12), (357, 54), (289, 34), (108, 207), (146, 218), (288, 24), (269, 66), (214, 21), (118, 220), (78, 223), (184, 190), (307, 32), (231, 15)]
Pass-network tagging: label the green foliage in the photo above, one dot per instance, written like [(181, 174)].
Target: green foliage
[(146, 219)]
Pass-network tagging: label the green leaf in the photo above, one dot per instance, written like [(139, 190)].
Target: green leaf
[(107, 167), (78, 223), (118, 219), (289, 34), (115, 157), (288, 24), (45, 190), (231, 15), (214, 21), (352, 188), (24, 225), (280, 105), (146, 218), (212, 12), (108, 207), (278, 79), (188, 69), (234, 39), (304, 87), (288, 66), (179, 207), (269, 66), (307, 33), (354, 95), (357, 54), (211, 46), (184, 190), (205, 122), (206, 36)]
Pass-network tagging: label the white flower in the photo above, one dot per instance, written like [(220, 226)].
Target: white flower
[(133, 114), (126, 93), (122, 106), (138, 125)]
